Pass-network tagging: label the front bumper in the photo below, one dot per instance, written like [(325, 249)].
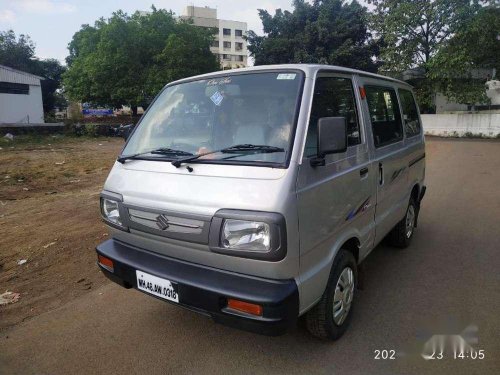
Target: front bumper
[(205, 290)]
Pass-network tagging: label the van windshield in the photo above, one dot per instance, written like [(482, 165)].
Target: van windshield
[(202, 116)]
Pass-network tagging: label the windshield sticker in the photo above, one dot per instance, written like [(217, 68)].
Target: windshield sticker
[(286, 76), (217, 98), (223, 81)]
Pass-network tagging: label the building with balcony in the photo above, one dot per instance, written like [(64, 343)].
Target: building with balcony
[(229, 44)]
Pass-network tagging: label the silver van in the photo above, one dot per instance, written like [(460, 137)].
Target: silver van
[(252, 195)]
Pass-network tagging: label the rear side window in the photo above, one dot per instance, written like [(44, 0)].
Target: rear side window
[(384, 115), (333, 97), (410, 113)]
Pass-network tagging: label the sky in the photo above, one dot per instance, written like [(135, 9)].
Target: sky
[(52, 23)]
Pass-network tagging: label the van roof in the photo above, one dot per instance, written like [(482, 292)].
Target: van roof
[(309, 69)]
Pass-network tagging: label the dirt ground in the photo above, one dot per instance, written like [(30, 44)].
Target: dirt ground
[(445, 284), (49, 215)]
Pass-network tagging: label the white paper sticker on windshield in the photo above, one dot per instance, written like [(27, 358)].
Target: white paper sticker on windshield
[(217, 98), (286, 76)]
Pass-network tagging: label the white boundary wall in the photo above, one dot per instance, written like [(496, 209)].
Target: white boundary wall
[(457, 124)]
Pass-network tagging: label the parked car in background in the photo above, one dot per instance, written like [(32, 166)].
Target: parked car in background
[(252, 195)]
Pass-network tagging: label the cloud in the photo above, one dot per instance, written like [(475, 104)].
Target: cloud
[(7, 16), (45, 6)]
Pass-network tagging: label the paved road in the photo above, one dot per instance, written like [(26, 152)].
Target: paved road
[(447, 280)]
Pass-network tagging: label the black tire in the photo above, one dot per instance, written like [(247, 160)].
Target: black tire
[(319, 320), (398, 237)]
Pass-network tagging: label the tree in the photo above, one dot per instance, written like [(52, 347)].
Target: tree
[(454, 64), (51, 70), (16, 52), (324, 31), (19, 53), (185, 54), (412, 33), (126, 60)]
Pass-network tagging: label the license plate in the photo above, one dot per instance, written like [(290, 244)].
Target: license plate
[(156, 286)]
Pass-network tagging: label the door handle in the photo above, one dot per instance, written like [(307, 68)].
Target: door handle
[(380, 174), (363, 172)]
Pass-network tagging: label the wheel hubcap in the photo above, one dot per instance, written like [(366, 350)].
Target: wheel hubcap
[(344, 293), (410, 221)]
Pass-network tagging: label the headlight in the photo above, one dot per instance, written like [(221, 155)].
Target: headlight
[(110, 211), (246, 235)]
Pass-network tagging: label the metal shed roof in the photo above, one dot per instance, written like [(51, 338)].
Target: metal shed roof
[(11, 75)]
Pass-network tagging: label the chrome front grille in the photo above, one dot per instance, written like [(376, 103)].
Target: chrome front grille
[(175, 224), (185, 227)]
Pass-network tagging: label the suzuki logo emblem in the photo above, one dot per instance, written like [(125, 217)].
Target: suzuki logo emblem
[(162, 222)]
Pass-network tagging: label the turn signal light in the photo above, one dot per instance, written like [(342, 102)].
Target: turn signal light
[(105, 262), (249, 308)]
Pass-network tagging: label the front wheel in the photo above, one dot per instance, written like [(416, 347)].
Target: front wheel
[(330, 318), (402, 233)]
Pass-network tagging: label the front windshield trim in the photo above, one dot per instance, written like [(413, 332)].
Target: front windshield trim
[(289, 152)]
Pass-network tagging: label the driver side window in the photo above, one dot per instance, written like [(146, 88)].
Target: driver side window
[(333, 97)]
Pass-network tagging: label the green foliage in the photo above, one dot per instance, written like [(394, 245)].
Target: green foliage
[(19, 53), (425, 92), (16, 52), (413, 31), (185, 54), (453, 66), (324, 31), (52, 71), (126, 60), (90, 130), (413, 34)]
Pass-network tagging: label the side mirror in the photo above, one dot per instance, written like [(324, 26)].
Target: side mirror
[(332, 138)]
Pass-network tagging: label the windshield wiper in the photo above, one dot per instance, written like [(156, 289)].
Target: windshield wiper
[(243, 148), (161, 151), (249, 148)]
